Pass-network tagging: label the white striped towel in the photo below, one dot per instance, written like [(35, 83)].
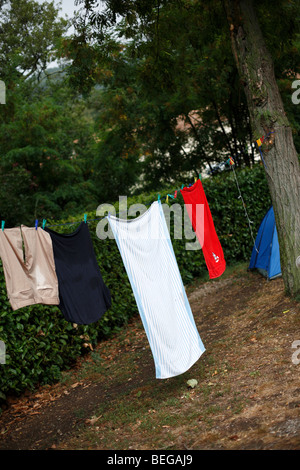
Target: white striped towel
[(148, 256)]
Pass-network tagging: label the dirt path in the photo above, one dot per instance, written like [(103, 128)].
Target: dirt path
[(247, 396)]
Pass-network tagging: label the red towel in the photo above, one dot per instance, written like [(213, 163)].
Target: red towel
[(207, 236)]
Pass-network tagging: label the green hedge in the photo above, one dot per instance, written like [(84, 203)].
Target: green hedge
[(40, 343)]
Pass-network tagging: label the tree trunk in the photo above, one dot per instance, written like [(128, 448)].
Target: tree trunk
[(267, 116)]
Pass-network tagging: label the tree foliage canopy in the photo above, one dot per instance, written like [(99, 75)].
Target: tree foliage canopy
[(147, 95)]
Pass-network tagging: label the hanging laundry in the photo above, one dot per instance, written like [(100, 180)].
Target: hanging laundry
[(204, 229), (31, 280), (145, 246), (84, 297)]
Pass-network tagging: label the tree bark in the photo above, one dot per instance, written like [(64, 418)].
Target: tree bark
[(268, 118)]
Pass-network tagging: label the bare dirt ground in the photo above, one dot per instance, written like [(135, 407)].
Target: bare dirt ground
[(247, 394)]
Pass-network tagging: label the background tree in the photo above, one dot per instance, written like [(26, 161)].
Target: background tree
[(155, 27), (181, 63), (188, 114), (29, 35), (46, 134), (268, 118)]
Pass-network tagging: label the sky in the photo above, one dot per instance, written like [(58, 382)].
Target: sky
[(67, 8)]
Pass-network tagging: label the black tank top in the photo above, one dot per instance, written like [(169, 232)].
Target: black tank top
[(83, 296)]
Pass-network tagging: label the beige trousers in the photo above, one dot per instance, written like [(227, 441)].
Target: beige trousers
[(28, 265)]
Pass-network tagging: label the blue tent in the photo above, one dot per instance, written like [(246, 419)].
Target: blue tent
[(265, 254)]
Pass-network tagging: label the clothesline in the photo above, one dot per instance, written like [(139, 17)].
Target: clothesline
[(230, 161), (118, 213), (64, 272), (121, 212)]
